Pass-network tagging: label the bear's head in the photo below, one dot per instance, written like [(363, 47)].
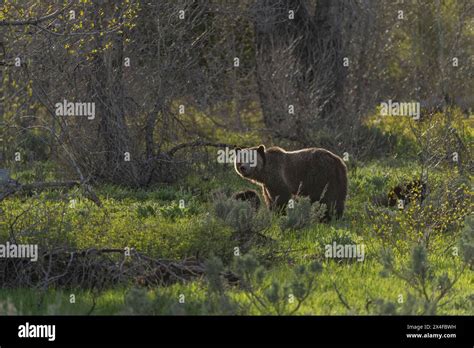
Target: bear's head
[(249, 162)]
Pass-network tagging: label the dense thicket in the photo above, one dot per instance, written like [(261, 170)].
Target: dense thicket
[(167, 77)]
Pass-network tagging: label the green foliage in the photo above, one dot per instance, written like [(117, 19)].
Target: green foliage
[(217, 299), (433, 136), (280, 297), (174, 211), (302, 214), (34, 172), (137, 302), (74, 221), (207, 228), (26, 301), (144, 211), (264, 295), (419, 274), (8, 308), (297, 217), (340, 237), (436, 222), (466, 241), (241, 216)]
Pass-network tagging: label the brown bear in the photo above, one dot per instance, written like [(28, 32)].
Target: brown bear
[(313, 172), (405, 193), (248, 196)]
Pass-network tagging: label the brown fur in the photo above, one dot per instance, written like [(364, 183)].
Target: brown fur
[(308, 172), (406, 192), (248, 196)]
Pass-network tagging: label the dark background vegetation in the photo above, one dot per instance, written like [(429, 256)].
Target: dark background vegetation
[(190, 62)]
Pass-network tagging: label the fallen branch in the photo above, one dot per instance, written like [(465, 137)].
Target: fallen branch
[(197, 143), (99, 268)]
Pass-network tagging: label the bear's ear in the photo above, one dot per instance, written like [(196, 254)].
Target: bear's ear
[(237, 149), (261, 152)]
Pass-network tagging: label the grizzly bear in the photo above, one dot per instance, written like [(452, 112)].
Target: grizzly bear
[(404, 192), (407, 192), (314, 172), (250, 196)]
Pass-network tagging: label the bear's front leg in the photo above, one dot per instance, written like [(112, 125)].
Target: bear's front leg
[(267, 198), (276, 201)]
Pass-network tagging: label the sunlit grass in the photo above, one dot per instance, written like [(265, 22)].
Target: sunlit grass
[(152, 222)]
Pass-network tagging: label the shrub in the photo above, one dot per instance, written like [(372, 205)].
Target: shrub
[(428, 287), (241, 216), (466, 242), (436, 223), (302, 213), (270, 296)]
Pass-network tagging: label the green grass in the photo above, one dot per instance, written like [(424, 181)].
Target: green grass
[(60, 302), (153, 222), (357, 282)]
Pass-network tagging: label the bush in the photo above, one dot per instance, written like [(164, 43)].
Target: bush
[(435, 223), (265, 294), (301, 213), (270, 296), (241, 216), (466, 242), (428, 287)]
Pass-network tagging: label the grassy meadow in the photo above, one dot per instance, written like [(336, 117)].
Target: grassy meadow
[(153, 222)]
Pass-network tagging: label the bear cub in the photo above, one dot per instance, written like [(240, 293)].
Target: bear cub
[(313, 172), (405, 192)]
